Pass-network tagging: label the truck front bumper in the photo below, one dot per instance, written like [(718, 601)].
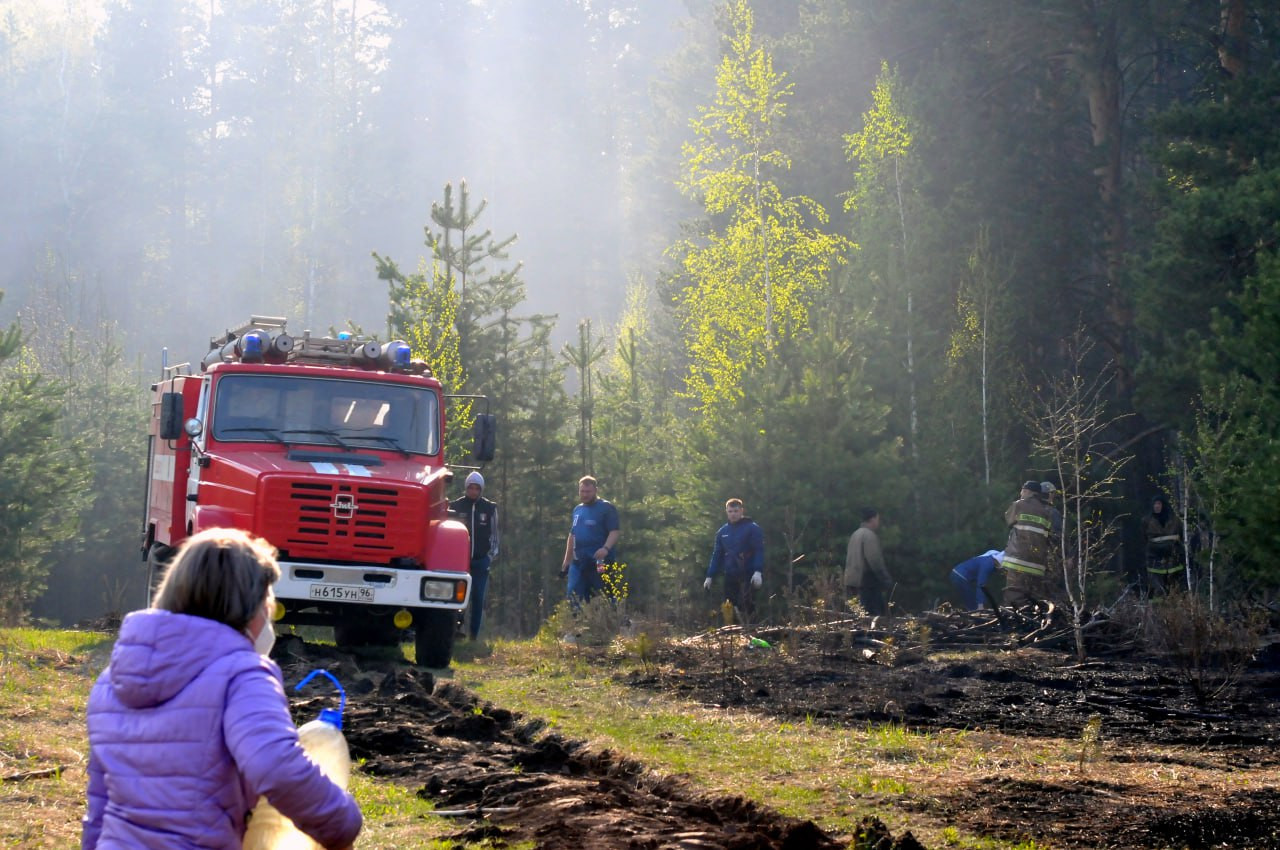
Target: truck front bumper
[(355, 584)]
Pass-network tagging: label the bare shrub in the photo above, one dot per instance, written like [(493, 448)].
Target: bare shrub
[(1210, 649)]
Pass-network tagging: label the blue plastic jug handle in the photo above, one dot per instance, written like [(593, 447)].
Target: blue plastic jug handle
[(342, 695)]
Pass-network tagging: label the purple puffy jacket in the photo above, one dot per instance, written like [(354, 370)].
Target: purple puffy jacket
[(186, 728)]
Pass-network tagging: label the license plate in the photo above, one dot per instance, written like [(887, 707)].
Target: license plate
[(341, 593)]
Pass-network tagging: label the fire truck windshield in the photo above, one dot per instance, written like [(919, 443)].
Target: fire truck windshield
[(263, 408)]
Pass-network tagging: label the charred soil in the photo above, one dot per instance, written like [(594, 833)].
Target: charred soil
[(1165, 770)]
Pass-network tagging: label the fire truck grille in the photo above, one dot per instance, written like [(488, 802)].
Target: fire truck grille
[(344, 518)]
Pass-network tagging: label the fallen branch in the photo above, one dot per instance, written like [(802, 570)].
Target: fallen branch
[(32, 774), (477, 812)]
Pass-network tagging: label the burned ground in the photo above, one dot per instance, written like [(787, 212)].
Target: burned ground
[(509, 780), (1159, 775)]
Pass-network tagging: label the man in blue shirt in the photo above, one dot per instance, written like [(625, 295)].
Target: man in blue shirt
[(970, 579), (739, 554), (589, 547)]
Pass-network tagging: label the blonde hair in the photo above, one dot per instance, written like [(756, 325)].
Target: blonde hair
[(221, 574)]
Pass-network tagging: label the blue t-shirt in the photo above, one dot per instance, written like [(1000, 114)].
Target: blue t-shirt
[(591, 526)]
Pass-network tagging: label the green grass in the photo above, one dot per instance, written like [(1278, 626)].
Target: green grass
[(45, 679), (795, 768)]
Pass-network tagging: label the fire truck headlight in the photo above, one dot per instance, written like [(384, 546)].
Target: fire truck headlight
[(440, 590), (192, 428)]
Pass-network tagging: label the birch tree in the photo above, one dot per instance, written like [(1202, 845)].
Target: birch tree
[(880, 150), (978, 340), (750, 274)]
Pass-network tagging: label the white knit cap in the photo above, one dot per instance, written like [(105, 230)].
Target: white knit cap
[(475, 478)]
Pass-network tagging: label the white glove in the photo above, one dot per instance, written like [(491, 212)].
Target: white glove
[(756, 579), (706, 585)]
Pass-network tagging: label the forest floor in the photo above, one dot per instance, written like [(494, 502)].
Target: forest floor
[(998, 746), (942, 731)]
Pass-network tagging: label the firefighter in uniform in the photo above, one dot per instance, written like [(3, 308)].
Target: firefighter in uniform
[(1160, 532), (1027, 550), (481, 518)]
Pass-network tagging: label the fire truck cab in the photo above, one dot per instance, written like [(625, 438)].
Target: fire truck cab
[(331, 449)]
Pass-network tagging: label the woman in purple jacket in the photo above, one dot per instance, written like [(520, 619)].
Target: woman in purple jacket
[(190, 723)]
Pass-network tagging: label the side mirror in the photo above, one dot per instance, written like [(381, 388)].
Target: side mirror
[(484, 434), (170, 416)]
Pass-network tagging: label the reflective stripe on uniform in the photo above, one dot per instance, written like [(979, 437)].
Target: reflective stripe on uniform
[(1040, 521), (1034, 529), (1020, 566), (1164, 571), (1166, 538)]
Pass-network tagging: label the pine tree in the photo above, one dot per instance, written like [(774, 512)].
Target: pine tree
[(97, 571), (537, 501), (42, 477), (463, 250)]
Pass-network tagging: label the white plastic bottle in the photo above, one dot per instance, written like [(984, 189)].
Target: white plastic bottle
[(324, 743)]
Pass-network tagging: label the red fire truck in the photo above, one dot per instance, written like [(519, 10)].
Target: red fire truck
[(331, 448)]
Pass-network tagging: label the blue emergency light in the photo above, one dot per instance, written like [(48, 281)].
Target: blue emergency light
[(252, 346)]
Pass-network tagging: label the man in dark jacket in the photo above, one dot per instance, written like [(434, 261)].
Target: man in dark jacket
[(1027, 550), (481, 518), (739, 554)]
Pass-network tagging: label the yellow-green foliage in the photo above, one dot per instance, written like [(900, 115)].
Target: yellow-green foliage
[(884, 140), (750, 281), (433, 335)]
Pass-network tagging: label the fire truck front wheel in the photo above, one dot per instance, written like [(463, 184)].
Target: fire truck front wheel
[(433, 632)]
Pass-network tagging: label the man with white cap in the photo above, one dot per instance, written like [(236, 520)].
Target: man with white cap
[(481, 518), (1048, 491)]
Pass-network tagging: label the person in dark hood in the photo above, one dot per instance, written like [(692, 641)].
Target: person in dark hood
[(738, 554), (1160, 533)]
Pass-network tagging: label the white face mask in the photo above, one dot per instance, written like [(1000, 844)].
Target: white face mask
[(266, 638)]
